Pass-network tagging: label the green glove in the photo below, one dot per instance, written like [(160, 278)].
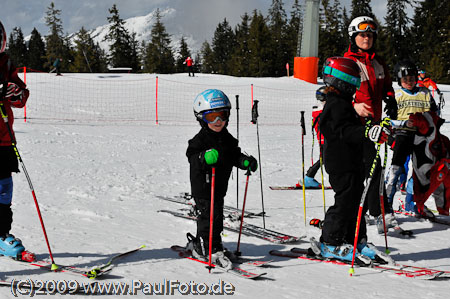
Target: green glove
[(211, 156)]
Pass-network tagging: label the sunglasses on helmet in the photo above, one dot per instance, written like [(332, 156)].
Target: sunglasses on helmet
[(211, 116)]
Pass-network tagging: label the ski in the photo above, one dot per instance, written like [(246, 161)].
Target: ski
[(235, 270), (397, 269), (298, 187), (247, 229), (94, 273), (185, 198), (445, 220)]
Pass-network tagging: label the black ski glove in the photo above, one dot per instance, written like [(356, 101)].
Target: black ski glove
[(248, 162), (390, 107)]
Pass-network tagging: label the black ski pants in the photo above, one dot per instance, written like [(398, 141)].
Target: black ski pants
[(203, 207), (340, 219)]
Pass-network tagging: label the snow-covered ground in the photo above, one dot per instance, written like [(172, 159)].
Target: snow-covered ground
[(97, 185)]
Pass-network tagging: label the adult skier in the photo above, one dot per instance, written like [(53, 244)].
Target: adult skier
[(13, 93), (190, 65), (343, 158), (376, 87), (214, 147)]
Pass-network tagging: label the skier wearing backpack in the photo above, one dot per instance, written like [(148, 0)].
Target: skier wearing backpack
[(343, 159), (13, 93)]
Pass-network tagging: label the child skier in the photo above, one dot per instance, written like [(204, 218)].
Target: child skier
[(13, 93), (215, 147), (343, 158), (310, 181), (410, 99)]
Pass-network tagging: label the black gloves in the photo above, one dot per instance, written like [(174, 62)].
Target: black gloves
[(248, 162), (390, 107)]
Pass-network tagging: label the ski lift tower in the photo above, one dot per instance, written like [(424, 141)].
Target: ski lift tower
[(306, 65)]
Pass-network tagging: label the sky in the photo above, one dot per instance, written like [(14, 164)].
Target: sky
[(198, 18)]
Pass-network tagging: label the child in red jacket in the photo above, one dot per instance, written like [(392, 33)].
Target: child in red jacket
[(13, 93)]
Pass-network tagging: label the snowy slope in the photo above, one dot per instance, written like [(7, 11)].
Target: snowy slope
[(97, 186)]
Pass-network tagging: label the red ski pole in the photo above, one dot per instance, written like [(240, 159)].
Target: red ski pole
[(211, 216), (361, 205), (237, 252)]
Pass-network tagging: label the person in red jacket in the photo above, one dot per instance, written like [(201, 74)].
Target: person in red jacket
[(376, 87), (424, 81), (190, 62), (13, 93)]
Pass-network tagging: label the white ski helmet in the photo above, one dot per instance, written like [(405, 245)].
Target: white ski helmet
[(2, 38), (362, 24), (210, 99)]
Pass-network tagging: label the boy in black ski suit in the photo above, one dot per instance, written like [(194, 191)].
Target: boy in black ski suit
[(343, 158), (215, 147)]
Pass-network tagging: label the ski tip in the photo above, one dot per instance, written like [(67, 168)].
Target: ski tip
[(54, 267), (93, 273), (142, 246)]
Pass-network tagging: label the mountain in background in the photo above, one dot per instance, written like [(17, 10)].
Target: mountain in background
[(142, 26)]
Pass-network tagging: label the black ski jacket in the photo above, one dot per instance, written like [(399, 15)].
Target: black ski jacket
[(200, 172), (344, 135)]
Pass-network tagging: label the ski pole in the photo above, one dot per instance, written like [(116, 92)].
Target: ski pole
[(302, 122), (13, 143), (382, 196), (237, 137), (361, 205), (211, 216), (237, 252), (255, 121), (312, 134)]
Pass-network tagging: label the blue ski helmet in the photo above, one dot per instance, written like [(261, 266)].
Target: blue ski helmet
[(210, 99)]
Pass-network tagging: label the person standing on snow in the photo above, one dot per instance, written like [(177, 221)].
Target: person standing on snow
[(343, 159), (376, 87), (410, 99), (310, 181), (189, 62), (214, 147), (424, 81), (13, 93)]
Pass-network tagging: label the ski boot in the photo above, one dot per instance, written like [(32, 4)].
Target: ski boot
[(342, 252), (369, 250), (12, 247), (200, 251), (311, 182), (390, 220)]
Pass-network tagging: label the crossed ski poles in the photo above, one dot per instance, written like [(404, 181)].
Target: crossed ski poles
[(13, 144)]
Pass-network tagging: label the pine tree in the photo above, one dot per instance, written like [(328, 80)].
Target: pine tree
[(159, 56), (207, 62), (223, 44), (183, 53), (36, 51), (55, 46), (361, 8), (397, 43), (88, 55), (332, 34), (239, 63), (277, 22), (430, 36), (120, 50), (17, 49), (295, 29), (260, 51)]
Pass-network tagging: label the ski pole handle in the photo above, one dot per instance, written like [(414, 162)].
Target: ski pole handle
[(255, 112), (302, 122)]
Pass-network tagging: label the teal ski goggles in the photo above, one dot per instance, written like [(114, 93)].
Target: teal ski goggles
[(327, 70)]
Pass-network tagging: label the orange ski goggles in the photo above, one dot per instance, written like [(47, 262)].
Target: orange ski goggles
[(367, 26), (211, 116)]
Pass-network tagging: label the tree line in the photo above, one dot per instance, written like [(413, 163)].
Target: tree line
[(258, 46)]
